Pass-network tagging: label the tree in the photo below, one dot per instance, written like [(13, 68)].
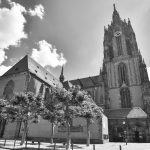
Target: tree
[(3, 104), (64, 99), (85, 108), (52, 113), (89, 110), (77, 103), (24, 107)]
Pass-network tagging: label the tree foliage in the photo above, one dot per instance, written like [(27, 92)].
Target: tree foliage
[(25, 106), (62, 108), (77, 103)]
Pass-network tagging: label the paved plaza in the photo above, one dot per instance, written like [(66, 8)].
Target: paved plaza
[(59, 146)]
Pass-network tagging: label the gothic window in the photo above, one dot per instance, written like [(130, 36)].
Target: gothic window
[(122, 73), (47, 95), (129, 47), (41, 89), (8, 90), (111, 54), (125, 98), (119, 45)]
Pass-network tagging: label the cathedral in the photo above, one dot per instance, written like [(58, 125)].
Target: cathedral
[(122, 89)]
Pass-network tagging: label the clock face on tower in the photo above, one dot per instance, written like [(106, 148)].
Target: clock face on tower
[(117, 33)]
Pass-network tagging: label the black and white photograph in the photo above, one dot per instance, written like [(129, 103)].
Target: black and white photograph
[(74, 75)]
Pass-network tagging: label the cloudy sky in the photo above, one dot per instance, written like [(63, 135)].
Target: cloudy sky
[(70, 32)]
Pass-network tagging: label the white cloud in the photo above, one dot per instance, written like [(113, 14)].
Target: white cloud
[(2, 56), (47, 55), (3, 69), (38, 11), (12, 23), (11, 30)]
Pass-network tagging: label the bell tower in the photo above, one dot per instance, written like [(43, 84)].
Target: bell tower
[(123, 67)]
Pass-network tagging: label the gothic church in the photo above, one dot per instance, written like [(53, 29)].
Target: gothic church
[(123, 87)]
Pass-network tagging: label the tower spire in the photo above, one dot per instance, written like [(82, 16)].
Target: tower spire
[(116, 17), (114, 7), (61, 78)]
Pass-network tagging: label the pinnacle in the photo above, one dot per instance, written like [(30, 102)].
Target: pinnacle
[(114, 7)]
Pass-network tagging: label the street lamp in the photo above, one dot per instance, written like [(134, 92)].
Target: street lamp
[(125, 131)]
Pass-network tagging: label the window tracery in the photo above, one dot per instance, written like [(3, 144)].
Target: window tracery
[(125, 98), (122, 72), (9, 89), (119, 45)]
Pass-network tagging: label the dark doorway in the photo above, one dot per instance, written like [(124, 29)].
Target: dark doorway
[(2, 127), (136, 136)]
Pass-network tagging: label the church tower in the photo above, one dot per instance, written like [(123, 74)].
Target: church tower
[(124, 70)]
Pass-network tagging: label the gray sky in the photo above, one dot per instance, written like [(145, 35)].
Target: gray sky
[(76, 28)]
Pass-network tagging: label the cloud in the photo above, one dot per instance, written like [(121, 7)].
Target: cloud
[(3, 69), (12, 23), (47, 55), (38, 11), (2, 56)]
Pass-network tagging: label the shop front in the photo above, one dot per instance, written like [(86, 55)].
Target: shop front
[(131, 125)]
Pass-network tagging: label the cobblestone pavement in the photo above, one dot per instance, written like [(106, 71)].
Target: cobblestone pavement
[(59, 146)]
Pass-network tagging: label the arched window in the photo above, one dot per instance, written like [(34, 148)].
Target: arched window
[(129, 47), (125, 98), (41, 89), (9, 89), (47, 95), (119, 45), (111, 54), (122, 73)]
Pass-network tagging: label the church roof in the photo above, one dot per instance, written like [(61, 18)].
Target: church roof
[(20, 66), (67, 84), (86, 82), (27, 64)]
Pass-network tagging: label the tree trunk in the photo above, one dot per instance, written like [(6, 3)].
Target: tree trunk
[(24, 136), (52, 135), (68, 136), (88, 132)]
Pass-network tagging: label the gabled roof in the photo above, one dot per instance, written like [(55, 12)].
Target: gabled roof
[(87, 82), (20, 66), (27, 64), (135, 112)]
